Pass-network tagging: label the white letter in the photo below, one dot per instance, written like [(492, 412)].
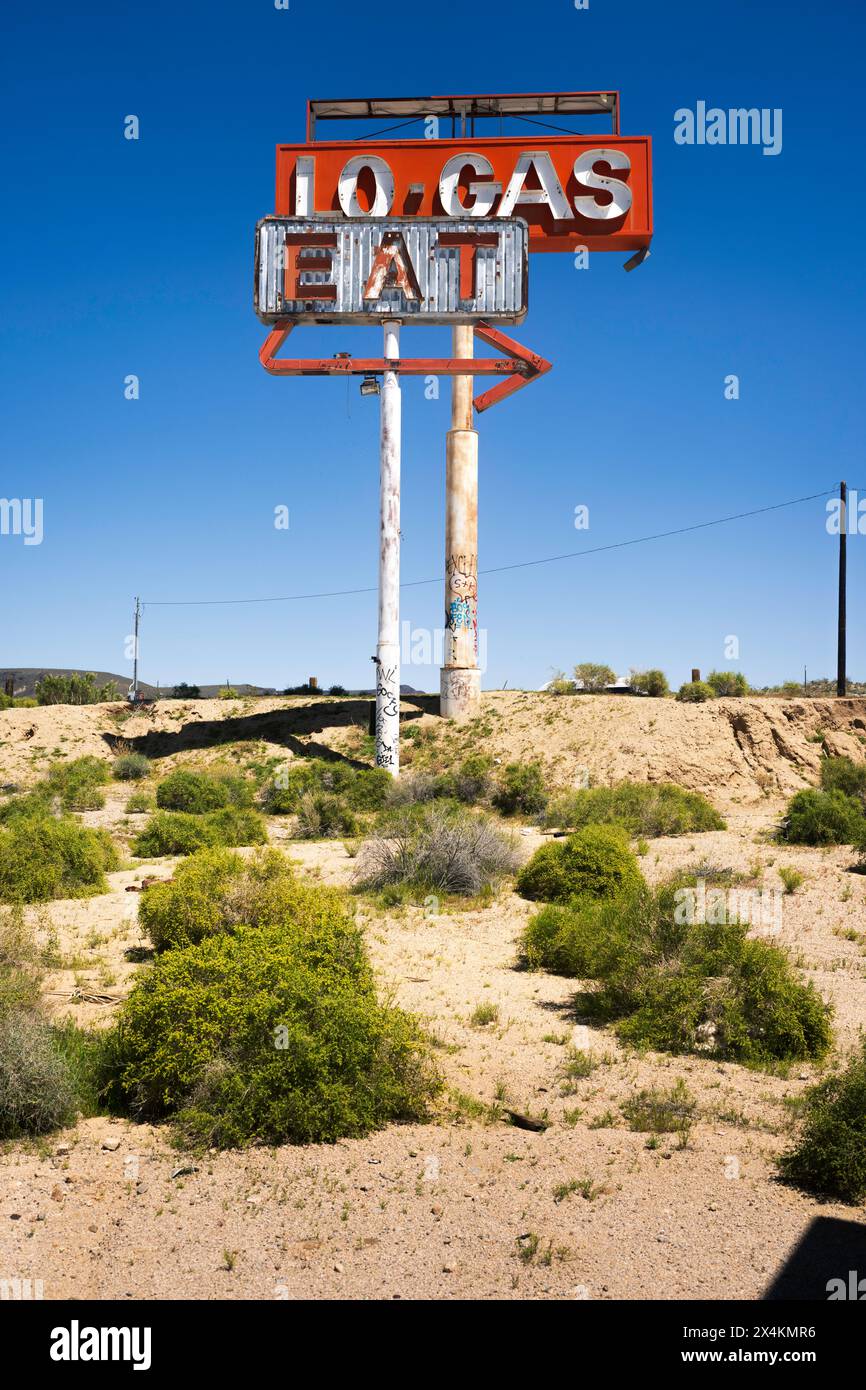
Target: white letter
[(60, 1344), (142, 1335), (485, 193), (684, 130), (32, 521), (550, 191), (775, 146), (584, 172), (348, 186)]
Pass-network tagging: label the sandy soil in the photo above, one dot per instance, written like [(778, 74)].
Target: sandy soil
[(452, 1209)]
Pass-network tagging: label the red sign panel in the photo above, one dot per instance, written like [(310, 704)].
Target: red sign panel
[(573, 190)]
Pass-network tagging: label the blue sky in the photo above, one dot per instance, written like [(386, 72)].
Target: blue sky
[(127, 257)]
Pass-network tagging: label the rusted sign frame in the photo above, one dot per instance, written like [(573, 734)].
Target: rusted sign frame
[(520, 369), (465, 108), (359, 249)]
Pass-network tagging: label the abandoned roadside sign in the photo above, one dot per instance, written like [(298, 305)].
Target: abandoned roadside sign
[(363, 270), (573, 190)]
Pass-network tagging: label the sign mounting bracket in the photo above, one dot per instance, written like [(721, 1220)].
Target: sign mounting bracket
[(518, 369)]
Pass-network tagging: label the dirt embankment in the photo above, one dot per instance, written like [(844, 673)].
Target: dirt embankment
[(733, 750)]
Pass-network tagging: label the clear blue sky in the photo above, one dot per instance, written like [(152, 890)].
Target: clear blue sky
[(136, 257)]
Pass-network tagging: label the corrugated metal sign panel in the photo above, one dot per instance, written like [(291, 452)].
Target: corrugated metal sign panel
[(364, 262)]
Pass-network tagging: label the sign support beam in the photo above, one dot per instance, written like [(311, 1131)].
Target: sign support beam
[(460, 679), (520, 369), (388, 644)]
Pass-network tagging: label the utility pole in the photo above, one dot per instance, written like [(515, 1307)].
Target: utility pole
[(460, 679), (841, 660), (388, 644), (135, 652)]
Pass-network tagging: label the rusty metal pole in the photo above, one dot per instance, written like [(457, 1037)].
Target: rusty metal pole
[(388, 644), (460, 679)]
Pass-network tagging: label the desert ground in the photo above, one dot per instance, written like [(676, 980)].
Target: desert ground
[(466, 1206)]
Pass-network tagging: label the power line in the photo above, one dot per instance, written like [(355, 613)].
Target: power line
[(498, 569), (546, 125), (401, 125)]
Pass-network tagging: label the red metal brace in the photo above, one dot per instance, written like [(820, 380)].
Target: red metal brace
[(519, 369)]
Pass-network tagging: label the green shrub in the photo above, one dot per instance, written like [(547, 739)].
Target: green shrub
[(322, 816), (595, 860), (267, 1034), (139, 801), (521, 790), (186, 692), (728, 682), (642, 808), (791, 878), (131, 767), (470, 783), (20, 962), (844, 775), (436, 847), (732, 996), (566, 940), (661, 1112), (823, 818), (592, 676), (675, 987), (200, 792), (829, 1156), (74, 689), (189, 908), (695, 692), (81, 1050), (653, 682), (559, 684), (69, 786), (36, 1089), (178, 832), (44, 858), (215, 890), (361, 789)]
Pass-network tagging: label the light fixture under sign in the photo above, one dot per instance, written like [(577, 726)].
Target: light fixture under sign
[(370, 386)]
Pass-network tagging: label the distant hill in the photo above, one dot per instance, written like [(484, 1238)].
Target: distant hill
[(25, 678)]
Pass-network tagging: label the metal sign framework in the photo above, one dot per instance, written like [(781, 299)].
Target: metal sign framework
[(519, 369), (356, 270), (590, 192)]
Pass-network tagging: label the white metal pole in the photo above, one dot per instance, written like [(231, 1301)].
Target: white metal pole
[(388, 645), (460, 679)]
